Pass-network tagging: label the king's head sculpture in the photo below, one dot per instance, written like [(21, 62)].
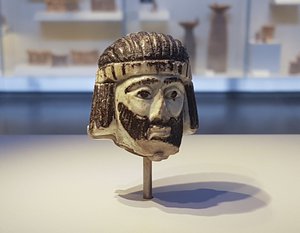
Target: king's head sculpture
[(143, 96)]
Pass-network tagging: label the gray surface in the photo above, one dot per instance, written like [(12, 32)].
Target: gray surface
[(216, 183)]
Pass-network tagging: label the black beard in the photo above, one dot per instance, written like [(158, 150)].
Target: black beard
[(137, 126)]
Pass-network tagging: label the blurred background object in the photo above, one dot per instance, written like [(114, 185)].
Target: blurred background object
[(245, 59)]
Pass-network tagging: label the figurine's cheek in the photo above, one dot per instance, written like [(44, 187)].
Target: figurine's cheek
[(138, 106), (175, 106)]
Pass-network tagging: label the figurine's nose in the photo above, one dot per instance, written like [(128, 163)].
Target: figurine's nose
[(158, 109)]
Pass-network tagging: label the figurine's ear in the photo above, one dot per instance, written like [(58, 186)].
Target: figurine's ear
[(103, 108), (190, 110)]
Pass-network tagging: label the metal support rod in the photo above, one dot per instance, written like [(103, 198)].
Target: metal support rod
[(147, 185)]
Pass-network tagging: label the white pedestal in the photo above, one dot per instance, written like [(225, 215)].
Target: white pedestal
[(264, 59), (217, 183)]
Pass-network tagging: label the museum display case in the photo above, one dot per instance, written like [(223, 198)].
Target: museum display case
[(234, 45)]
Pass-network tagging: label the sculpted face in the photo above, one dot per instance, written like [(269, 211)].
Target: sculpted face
[(149, 115), (143, 95)]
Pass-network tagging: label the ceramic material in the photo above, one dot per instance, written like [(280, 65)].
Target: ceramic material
[(39, 57), (61, 5), (103, 5), (143, 98), (190, 40), (265, 35), (217, 47), (84, 57), (295, 66), (59, 60)]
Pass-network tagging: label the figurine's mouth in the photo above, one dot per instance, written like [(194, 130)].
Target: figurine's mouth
[(158, 132)]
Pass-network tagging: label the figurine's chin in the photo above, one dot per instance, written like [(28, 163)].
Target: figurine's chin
[(155, 150), (158, 157)]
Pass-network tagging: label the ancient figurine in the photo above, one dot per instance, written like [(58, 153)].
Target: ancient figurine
[(84, 57), (294, 67), (143, 96), (59, 60), (265, 35), (62, 5), (36, 57), (190, 40), (217, 46), (103, 5)]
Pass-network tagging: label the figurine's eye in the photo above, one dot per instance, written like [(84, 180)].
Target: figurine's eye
[(144, 94), (172, 94)]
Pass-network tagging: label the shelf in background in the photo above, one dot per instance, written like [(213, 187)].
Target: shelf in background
[(84, 16), (286, 2), (54, 71), (84, 82), (152, 16)]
